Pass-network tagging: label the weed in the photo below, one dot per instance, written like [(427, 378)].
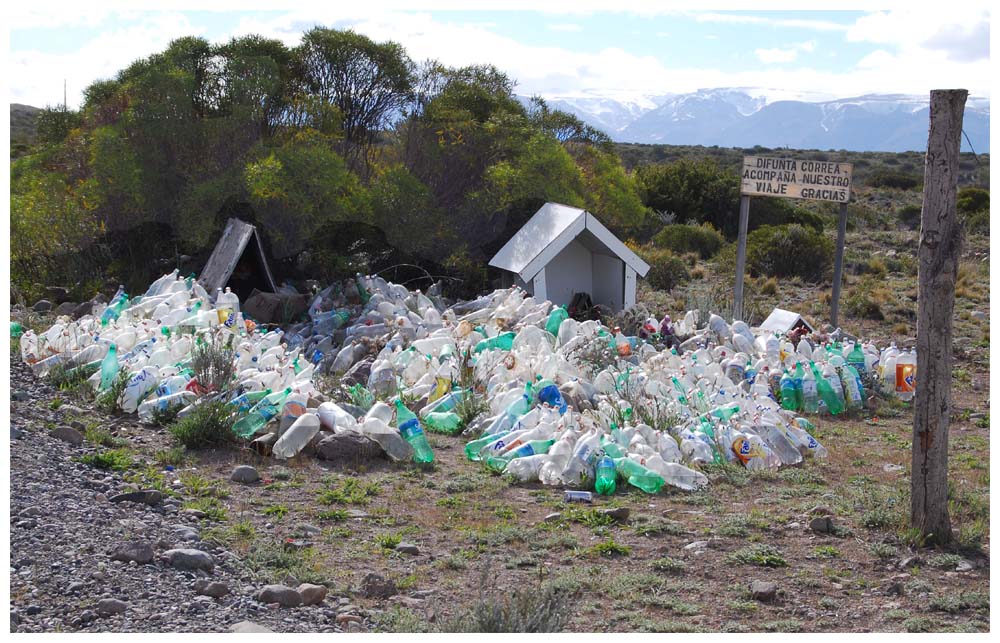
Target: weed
[(738, 525), (536, 608), (760, 555), (277, 511), (783, 625), (882, 551), (209, 424), (826, 551), (743, 607), (590, 517), (953, 603), (504, 512), (334, 515), (452, 502), (211, 507), (174, 456), (111, 459), (402, 620), (388, 541), (944, 561), (659, 526), (918, 624), (608, 549), (166, 416), (103, 438), (213, 365), (668, 565), (201, 487), (110, 399), (272, 561), (349, 491)]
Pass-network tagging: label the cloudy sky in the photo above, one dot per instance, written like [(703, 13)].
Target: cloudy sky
[(620, 49)]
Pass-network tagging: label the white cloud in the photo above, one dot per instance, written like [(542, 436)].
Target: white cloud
[(786, 55), (962, 33), (732, 18), (564, 27)]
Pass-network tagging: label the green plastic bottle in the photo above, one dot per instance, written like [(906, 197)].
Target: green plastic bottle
[(409, 427), (362, 291), (604, 482), (612, 449), (261, 413), (16, 330), (473, 448), (826, 392), (639, 476), (503, 341), (109, 367), (529, 448), (556, 318), (445, 422)]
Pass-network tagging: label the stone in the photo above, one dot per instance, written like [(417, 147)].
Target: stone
[(186, 534), (151, 497), (78, 425), (139, 552), (696, 545), (189, 559), (68, 434), (619, 514), (57, 294), (376, 586), (408, 601), (283, 596), (66, 308), (42, 306), (83, 309), (910, 561), (980, 315), (215, 589), (20, 396), (891, 468), (249, 627), (312, 594), (821, 510), (822, 525), (763, 591), (75, 587), (965, 566), (15, 433), (110, 606), (348, 618), (244, 474), (305, 529), (408, 548), (197, 514), (348, 449), (553, 517), (355, 627)]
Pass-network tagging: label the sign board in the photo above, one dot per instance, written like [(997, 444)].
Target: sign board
[(796, 179)]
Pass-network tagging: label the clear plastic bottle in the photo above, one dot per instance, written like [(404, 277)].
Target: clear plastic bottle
[(291, 442)]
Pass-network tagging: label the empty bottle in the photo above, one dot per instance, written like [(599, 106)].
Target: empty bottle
[(906, 376), (303, 429), (503, 341), (555, 320), (246, 400), (293, 408), (443, 422), (138, 387), (639, 476), (810, 391), (789, 400), (261, 414), (548, 393), (109, 367), (409, 428)]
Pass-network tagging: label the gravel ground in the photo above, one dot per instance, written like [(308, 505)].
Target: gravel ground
[(63, 529)]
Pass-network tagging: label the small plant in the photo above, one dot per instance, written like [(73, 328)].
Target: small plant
[(276, 511), (590, 517), (743, 607), (388, 541), (213, 365), (944, 561), (165, 417), (211, 507), (668, 565), (109, 460), (350, 491), (759, 555), (882, 551), (659, 526), (538, 608), (333, 515), (609, 549), (826, 551), (111, 399), (174, 456), (209, 424), (103, 438), (954, 603)]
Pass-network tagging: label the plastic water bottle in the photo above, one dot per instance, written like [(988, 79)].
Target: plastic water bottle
[(443, 422), (293, 408), (555, 320), (109, 367), (906, 376), (789, 400), (303, 429), (138, 386), (246, 400), (149, 407), (674, 474), (530, 448), (548, 393), (261, 414), (604, 481), (409, 428), (810, 391), (503, 341), (639, 476)]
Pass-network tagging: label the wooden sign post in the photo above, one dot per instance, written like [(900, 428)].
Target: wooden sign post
[(793, 179)]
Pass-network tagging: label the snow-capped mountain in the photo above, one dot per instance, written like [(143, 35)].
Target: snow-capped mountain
[(744, 117)]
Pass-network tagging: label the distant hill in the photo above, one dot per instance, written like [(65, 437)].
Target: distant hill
[(745, 117), (22, 124)]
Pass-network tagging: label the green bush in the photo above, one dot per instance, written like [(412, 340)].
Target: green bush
[(770, 211), (973, 200), (895, 180), (207, 425), (909, 215), (665, 269), (681, 238), (977, 222), (789, 251)]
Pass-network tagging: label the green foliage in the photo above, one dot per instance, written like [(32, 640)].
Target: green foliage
[(703, 239), (110, 400), (909, 215), (894, 180), (54, 124), (110, 459), (531, 609), (973, 200), (666, 270), (760, 555), (609, 549), (668, 565), (349, 491), (208, 424), (388, 541), (213, 365), (789, 251)]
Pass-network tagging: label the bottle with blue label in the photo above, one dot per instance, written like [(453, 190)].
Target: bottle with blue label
[(409, 427)]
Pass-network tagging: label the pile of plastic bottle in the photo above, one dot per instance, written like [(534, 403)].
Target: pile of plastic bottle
[(567, 403)]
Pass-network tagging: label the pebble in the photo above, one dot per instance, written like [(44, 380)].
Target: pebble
[(211, 588), (312, 594), (68, 434), (110, 606), (965, 566), (910, 561), (375, 586), (189, 559), (696, 545), (139, 552), (408, 548), (822, 525), (763, 591), (552, 517), (249, 627), (619, 514), (280, 594), (150, 497)]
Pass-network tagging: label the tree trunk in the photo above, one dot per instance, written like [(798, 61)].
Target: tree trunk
[(938, 254)]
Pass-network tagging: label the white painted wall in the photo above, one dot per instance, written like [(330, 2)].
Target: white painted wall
[(608, 279), (569, 272)]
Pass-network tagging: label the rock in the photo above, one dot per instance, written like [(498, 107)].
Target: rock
[(355, 627), (618, 515), (408, 601), (214, 589), (910, 561), (376, 586), (186, 534), (553, 517), (197, 514), (83, 309), (78, 425), (151, 497), (306, 529), (66, 308), (980, 315), (408, 548), (20, 396), (357, 513), (32, 610), (110, 606), (965, 566), (891, 468), (15, 433), (57, 294), (249, 627), (244, 474), (763, 591), (68, 434), (189, 559), (284, 596), (75, 587), (69, 409), (348, 618), (311, 594), (348, 449), (696, 545), (42, 306), (139, 552), (822, 525), (793, 525), (821, 510)]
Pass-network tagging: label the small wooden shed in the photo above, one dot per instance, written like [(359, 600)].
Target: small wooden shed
[(562, 251), (238, 261)]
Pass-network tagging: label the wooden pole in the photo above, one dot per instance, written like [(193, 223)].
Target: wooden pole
[(937, 253), (741, 258), (838, 266)]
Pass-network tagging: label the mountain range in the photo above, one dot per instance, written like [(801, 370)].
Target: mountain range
[(745, 117)]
